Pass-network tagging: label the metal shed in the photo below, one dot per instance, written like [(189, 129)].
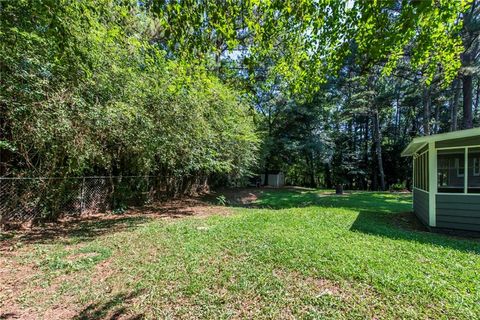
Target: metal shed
[(446, 179), (276, 179)]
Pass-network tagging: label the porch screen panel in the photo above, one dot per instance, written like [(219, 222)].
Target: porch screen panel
[(421, 171), (451, 170), (474, 170)]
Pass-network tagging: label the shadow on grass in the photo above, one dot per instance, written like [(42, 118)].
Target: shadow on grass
[(286, 198), (114, 308), (406, 226), (72, 230), (369, 201), (380, 213), (88, 227)]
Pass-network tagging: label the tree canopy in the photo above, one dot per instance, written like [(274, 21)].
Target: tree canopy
[(85, 91), (328, 91), (308, 40)]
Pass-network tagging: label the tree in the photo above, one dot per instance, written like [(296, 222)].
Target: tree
[(471, 44), (307, 40), (84, 91)]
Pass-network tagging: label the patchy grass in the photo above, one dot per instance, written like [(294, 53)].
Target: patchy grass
[(289, 254)]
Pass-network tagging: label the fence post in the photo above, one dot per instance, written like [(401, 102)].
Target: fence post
[(82, 197)]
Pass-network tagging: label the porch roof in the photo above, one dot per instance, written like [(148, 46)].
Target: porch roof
[(419, 142)]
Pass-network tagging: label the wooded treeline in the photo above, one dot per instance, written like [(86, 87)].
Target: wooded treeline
[(354, 130), (86, 91), (329, 92)]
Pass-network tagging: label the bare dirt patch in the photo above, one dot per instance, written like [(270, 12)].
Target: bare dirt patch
[(236, 197), (408, 221), (97, 224), (319, 286), (17, 275), (13, 277)]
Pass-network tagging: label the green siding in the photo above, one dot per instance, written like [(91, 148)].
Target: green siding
[(420, 205), (458, 212), (462, 142)]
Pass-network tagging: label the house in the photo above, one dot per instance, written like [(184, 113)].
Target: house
[(276, 179), (446, 179)]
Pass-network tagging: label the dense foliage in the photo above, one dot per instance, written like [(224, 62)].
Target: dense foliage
[(85, 92), (340, 87), (352, 128), (308, 39), (333, 90)]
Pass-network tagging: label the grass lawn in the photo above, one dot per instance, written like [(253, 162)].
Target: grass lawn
[(291, 254)]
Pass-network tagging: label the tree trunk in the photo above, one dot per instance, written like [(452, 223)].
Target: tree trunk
[(328, 176), (454, 111), (468, 57), (467, 101), (437, 119), (339, 189), (397, 117), (311, 170), (378, 149), (426, 111), (265, 181), (267, 159), (415, 126), (477, 100), (365, 152), (313, 183)]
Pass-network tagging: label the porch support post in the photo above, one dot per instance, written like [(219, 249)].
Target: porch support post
[(465, 172), (413, 180), (432, 184)]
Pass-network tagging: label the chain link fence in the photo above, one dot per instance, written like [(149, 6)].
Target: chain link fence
[(23, 199)]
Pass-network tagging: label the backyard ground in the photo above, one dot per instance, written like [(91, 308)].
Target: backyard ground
[(265, 253)]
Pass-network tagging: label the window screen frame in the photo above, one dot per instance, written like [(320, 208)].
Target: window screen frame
[(421, 168), (465, 167), (474, 154)]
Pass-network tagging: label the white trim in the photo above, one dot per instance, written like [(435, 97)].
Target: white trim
[(440, 137), (413, 184), (423, 146), (459, 147), (403, 154), (449, 135), (421, 154), (432, 184), (465, 172)]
